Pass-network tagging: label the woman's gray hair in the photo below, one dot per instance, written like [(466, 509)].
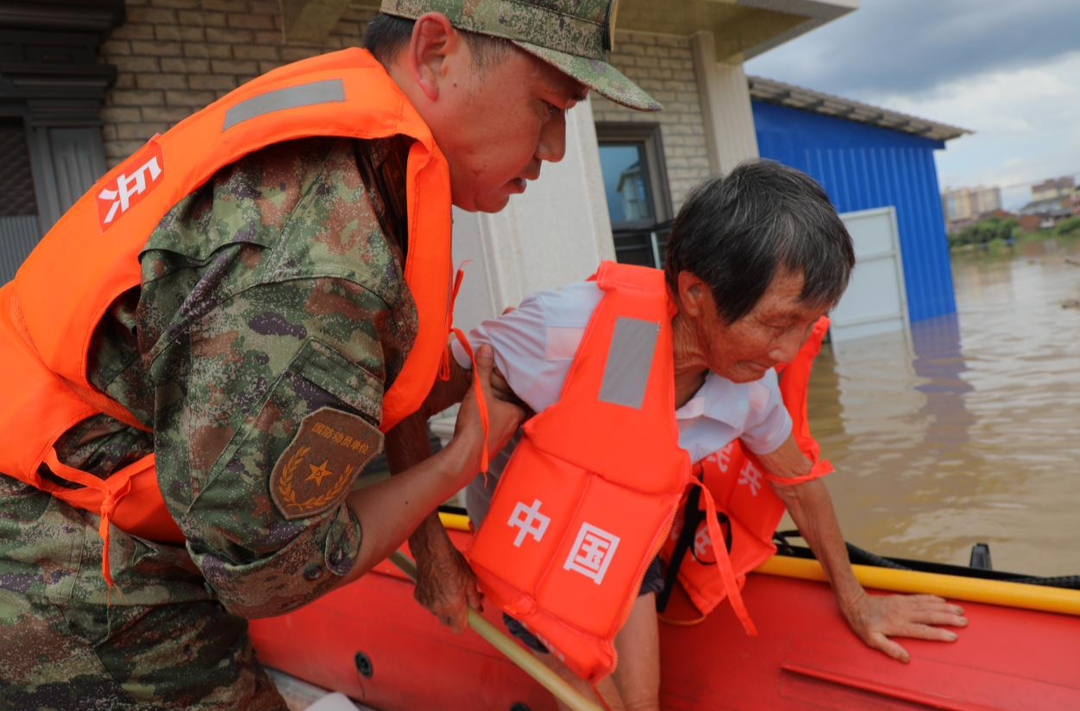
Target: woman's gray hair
[(734, 233)]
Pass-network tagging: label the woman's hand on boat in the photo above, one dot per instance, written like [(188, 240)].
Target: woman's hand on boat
[(877, 618)]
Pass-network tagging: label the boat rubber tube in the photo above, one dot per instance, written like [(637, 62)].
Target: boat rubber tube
[(955, 587)]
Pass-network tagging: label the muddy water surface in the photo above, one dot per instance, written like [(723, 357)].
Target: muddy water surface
[(968, 431)]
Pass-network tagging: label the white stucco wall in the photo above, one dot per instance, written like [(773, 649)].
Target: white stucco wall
[(725, 106)]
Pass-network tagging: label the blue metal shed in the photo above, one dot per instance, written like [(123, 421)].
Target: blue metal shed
[(878, 159)]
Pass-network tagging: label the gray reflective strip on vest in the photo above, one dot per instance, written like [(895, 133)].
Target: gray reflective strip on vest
[(316, 92), (629, 360)]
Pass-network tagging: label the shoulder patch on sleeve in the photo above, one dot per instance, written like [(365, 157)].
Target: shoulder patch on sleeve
[(316, 471)]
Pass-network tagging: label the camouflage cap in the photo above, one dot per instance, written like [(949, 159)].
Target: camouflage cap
[(573, 35)]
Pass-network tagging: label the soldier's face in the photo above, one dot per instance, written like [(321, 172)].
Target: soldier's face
[(498, 125)]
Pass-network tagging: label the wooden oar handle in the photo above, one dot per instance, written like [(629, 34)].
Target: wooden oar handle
[(512, 650)]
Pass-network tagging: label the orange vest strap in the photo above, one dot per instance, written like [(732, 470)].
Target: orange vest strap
[(821, 468), (129, 499), (794, 384), (481, 401), (723, 561), (108, 507), (478, 389), (109, 492), (77, 476)]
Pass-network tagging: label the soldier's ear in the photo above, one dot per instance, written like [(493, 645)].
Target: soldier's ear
[(433, 41)]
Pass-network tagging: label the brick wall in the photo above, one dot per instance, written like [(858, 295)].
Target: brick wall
[(175, 56), (663, 66)]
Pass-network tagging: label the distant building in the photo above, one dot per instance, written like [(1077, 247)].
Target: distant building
[(1045, 214), (1051, 202), (1029, 223), (1053, 188), (965, 205)]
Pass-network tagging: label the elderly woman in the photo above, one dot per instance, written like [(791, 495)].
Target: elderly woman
[(753, 261)]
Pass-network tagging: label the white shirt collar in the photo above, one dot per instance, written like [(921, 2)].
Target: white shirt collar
[(718, 399)]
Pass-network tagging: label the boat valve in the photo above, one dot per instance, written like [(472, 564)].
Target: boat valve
[(363, 665)]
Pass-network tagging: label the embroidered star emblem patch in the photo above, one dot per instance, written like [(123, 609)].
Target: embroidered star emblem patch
[(318, 473), (317, 469)]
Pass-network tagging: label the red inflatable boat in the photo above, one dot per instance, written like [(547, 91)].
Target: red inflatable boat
[(373, 642)]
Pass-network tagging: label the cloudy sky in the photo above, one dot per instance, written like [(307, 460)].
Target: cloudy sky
[(1009, 71)]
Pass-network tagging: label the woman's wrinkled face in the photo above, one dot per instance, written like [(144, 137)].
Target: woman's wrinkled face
[(769, 334)]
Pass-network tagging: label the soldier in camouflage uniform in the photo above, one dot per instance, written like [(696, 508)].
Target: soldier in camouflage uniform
[(272, 309)]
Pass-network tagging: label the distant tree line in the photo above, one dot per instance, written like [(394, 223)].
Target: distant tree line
[(1003, 229), (984, 231), (1069, 227)]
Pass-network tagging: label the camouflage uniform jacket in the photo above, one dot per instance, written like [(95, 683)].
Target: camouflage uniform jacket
[(272, 294)]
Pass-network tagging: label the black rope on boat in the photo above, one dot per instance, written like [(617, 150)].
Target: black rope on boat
[(865, 557), (860, 556), (1069, 582)]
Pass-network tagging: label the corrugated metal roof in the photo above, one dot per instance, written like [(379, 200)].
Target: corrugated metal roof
[(796, 97), (1056, 206)]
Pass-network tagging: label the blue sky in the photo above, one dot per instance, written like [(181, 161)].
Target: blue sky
[(1009, 71)]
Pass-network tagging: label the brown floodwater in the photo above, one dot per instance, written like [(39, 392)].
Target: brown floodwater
[(967, 431)]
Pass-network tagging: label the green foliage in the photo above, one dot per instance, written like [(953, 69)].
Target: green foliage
[(984, 231), (1069, 227)]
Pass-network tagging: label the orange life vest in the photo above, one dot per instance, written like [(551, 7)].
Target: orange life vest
[(91, 256), (587, 497), (747, 506)]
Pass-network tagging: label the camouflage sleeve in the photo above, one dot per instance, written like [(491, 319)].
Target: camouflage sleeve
[(272, 371)]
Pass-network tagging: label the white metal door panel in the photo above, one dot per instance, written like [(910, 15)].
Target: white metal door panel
[(875, 301)]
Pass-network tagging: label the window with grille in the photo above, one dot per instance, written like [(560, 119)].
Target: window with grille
[(16, 180)]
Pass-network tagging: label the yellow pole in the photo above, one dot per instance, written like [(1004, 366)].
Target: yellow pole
[(955, 587), (455, 522), (527, 662)]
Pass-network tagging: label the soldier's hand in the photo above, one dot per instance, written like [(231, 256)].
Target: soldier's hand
[(501, 389), (503, 417), (446, 586)]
